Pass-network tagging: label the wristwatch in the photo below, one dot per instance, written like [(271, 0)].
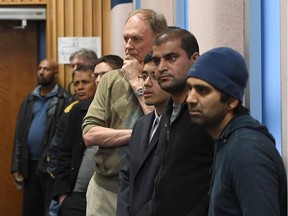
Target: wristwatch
[(139, 92)]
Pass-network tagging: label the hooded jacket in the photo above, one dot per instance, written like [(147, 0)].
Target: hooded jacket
[(248, 173)]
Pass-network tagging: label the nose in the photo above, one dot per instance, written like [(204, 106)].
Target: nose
[(147, 82), (80, 86), (40, 70), (128, 44), (191, 98), (98, 79), (162, 66)]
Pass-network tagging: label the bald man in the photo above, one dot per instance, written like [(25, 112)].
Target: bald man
[(35, 126)]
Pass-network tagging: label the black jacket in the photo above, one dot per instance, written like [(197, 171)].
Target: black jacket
[(136, 179), (20, 156), (186, 152), (70, 151)]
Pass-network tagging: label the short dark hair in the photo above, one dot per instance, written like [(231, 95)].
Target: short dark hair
[(115, 61), (82, 68), (188, 40), (239, 109), (148, 58)]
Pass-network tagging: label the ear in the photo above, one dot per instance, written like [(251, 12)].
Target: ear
[(56, 73), (232, 103), (195, 56)]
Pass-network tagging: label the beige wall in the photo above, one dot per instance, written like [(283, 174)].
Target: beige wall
[(165, 7), (217, 23)]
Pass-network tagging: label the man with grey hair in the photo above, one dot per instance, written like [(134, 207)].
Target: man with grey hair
[(83, 57), (117, 104)]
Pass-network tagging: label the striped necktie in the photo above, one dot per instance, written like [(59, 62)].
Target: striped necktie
[(154, 127)]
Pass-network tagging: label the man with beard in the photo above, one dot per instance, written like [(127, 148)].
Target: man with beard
[(37, 118), (185, 150), (248, 175)]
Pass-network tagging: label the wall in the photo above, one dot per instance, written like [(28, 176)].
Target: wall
[(284, 77), (164, 7), (69, 18), (210, 22)]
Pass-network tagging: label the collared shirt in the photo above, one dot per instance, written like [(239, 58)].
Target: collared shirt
[(155, 125), (37, 127)]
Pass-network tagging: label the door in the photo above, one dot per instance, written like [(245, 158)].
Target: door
[(18, 77)]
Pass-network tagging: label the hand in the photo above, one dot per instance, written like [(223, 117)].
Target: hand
[(131, 69), (18, 180), (61, 198)]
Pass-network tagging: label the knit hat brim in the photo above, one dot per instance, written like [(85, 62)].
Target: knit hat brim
[(223, 68)]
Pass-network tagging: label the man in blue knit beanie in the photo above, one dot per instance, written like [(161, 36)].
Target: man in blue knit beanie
[(248, 173)]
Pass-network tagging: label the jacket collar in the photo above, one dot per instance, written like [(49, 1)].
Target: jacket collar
[(244, 121)]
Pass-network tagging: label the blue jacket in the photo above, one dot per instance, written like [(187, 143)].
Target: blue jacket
[(248, 174)]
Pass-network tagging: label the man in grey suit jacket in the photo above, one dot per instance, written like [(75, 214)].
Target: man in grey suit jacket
[(136, 178)]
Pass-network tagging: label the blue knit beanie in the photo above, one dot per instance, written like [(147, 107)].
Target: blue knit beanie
[(223, 68)]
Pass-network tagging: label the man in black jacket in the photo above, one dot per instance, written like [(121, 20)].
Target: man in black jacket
[(37, 118), (186, 150), (136, 179), (75, 164)]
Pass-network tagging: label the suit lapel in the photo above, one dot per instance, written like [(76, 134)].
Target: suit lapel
[(153, 143), (144, 147), (147, 124)]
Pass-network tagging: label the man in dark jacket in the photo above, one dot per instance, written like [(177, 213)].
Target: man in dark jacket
[(186, 150), (75, 165), (35, 127), (249, 178), (136, 179)]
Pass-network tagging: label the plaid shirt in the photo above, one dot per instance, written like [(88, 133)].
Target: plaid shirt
[(114, 106)]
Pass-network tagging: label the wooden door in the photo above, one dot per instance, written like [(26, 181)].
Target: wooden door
[(18, 76)]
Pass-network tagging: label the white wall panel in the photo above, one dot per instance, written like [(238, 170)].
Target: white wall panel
[(217, 23)]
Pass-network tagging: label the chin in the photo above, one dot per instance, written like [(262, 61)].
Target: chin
[(149, 103), (195, 121)]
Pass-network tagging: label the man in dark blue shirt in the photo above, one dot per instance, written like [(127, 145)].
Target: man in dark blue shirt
[(37, 118)]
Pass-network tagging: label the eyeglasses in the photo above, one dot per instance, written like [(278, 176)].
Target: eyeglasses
[(146, 76), (95, 75)]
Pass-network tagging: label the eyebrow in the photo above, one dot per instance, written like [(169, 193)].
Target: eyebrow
[(166, 55), (171, 54)]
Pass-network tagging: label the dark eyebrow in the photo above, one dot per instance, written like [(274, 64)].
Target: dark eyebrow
[(171, 54)]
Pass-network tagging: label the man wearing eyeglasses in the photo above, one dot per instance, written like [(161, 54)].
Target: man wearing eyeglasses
[(136, 179), (76, 164), (105, 64)]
